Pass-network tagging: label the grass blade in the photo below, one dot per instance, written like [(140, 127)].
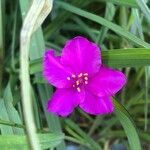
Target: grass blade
[(116, 58), (33, 17), (4, 115), (2, 14), (144, 8), (37, 49), (128, 125), (75, 127), (12, 112), (130, 3), (117, 29), (15, 142)]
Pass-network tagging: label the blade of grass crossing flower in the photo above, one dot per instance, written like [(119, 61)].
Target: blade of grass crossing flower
[(126, 57), (116, 58), (15, 142), (128, 125), (117, 29)]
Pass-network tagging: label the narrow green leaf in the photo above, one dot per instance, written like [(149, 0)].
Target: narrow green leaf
[(128, 125), (136, 57), (12, 112), (4, 115), (117, 29), (130, 3), (126, 57), (144, 8), (76, 128), (56, 24), (109, 14), (16, 142), (37, 49), (2, 30)]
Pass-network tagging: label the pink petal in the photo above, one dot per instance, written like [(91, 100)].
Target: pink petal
[(64, 101), (54, 72), (106, 82), (96, 105), (81, 55)]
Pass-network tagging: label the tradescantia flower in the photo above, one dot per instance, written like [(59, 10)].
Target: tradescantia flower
[(81, 79)]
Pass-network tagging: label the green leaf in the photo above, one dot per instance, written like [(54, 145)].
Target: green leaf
[(117, 29), (109, 15), (57, 23), (4, 115), (144, 8), (2, 43), (87, 138), (37, 48), (128, 125), (126, 57), (9, 113), (130, 3), (11, 110), (15, 142)]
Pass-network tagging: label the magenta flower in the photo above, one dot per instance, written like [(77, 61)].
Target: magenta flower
[(81, 79)]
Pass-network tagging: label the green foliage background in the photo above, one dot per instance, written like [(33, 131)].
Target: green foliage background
[(121, 29)]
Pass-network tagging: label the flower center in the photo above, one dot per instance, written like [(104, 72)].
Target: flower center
[(80, 79)]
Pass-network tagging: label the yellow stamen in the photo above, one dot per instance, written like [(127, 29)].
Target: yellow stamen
[(68, 78), (78, 89), (85, 78), (86, 82), (73, 76), (80, 75), (77, 82)]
